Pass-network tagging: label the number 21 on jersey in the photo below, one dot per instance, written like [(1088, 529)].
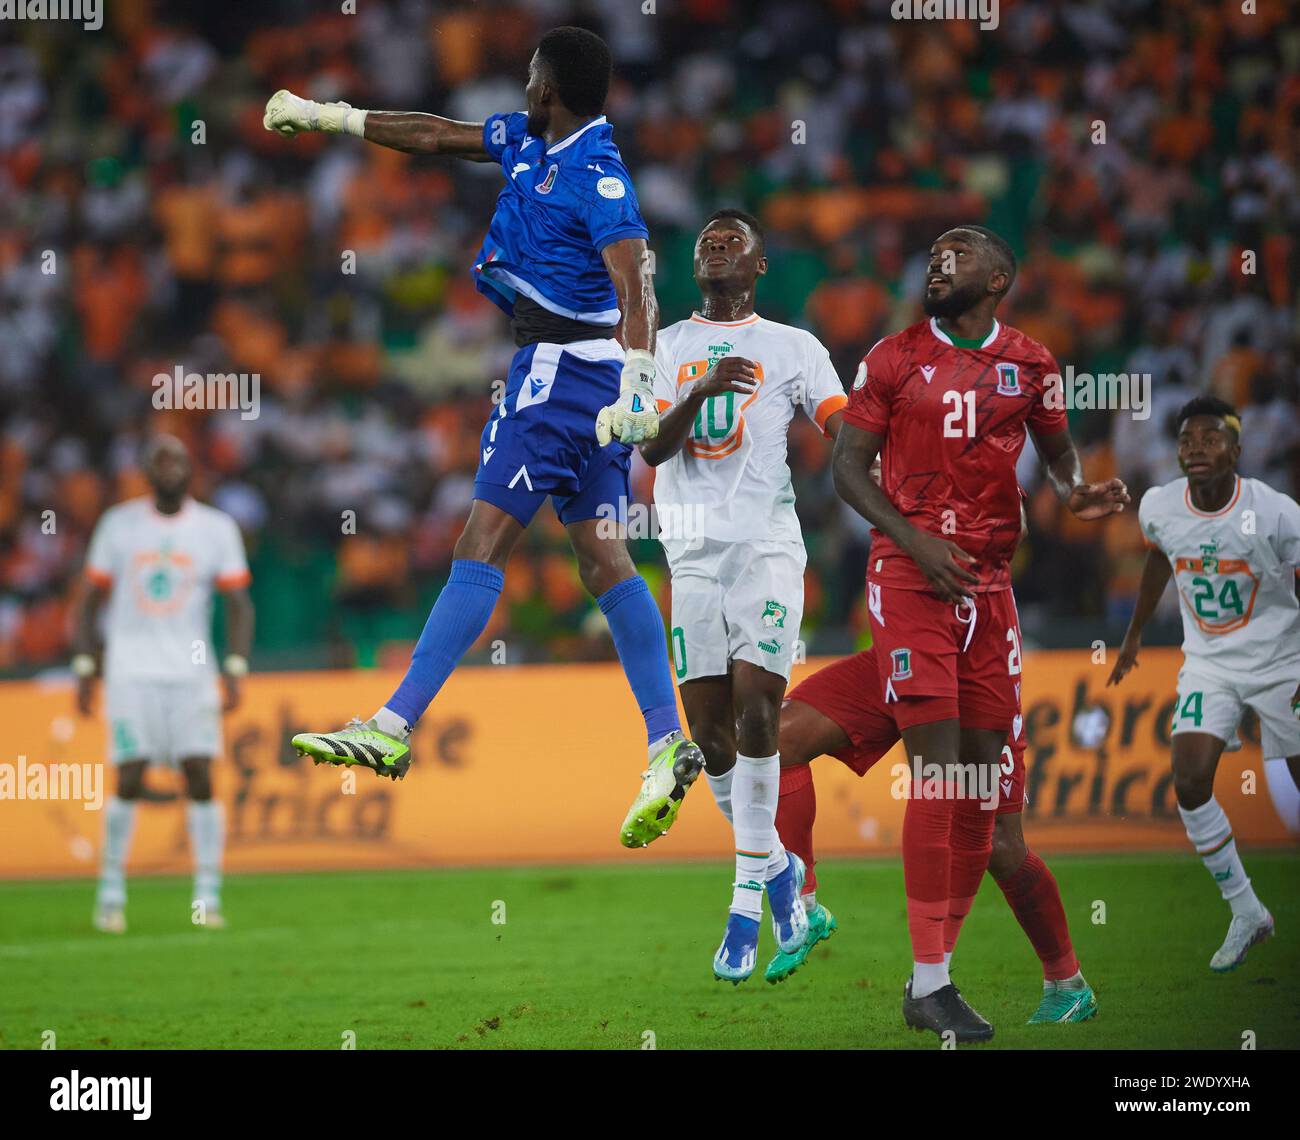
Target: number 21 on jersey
[(959, 423)]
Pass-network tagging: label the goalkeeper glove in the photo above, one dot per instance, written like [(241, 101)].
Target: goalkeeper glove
[(633, 418), (290, 115)]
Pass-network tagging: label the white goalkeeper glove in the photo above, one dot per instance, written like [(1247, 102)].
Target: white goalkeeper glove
[(290, 115), (633, 418)]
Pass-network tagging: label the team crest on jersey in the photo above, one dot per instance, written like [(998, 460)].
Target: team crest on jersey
[(1210, 557), (547, 184), (774, 614), (1008, 379), (902, 659)]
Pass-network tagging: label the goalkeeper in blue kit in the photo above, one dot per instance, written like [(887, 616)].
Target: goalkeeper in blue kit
[(565, 257)]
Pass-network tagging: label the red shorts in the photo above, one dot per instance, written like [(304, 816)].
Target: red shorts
[(966, 655), (848, 693)]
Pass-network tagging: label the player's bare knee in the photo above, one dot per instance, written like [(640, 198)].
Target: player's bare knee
[(198, 780), (757, 728), (1192, 788), (718, 746), (130, 781)]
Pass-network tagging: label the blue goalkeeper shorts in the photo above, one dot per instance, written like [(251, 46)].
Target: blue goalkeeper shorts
[(541, 439)]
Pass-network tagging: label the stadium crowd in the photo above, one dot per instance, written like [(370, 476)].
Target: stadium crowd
[(1141, 158)]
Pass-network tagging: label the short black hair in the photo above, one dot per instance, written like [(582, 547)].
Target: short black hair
[(1209, 406), (754, 225), (1003, 255), (579, 63)]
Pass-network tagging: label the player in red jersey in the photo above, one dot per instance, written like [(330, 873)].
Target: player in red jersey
[(838, 712), (946, 404)]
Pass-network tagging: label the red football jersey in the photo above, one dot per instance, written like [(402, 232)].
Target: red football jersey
[(953, 421)]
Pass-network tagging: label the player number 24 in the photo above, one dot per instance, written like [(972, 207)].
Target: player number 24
[(1229, 598), (953, 427)]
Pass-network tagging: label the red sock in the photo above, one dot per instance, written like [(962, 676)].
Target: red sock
[(927, 825), (1035, 900), (796, 808), (972, 842)]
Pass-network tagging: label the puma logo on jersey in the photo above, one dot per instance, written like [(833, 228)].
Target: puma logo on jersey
[(927, 370)]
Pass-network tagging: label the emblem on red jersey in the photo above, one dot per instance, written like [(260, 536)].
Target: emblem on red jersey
[(860, 380), (1008, 380), (902, 664), (927, 370), (547, 184)]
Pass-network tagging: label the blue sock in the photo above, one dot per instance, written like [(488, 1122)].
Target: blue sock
[(642, 648), (458, 617)]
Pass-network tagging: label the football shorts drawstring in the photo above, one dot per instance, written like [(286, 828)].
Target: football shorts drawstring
[(969, 622)]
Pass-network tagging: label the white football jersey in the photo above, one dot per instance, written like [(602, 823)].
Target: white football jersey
[(161, 571), (1235, 570), (730, 481)]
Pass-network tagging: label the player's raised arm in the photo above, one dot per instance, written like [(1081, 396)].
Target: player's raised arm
[(1155, 577), (1065, 472), (730, 374), (410, 131), (634, 417), (938, 559)]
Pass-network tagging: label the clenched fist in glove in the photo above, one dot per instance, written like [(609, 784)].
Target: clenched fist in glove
[(290, 115)]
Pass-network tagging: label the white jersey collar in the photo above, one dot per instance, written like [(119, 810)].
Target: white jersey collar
[(943, 336)]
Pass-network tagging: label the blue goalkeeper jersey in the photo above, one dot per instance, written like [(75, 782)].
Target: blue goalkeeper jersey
[(560, 207)]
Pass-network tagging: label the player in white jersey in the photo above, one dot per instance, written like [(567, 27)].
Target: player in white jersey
[(154, 562), (1232, 546), (728, 384)]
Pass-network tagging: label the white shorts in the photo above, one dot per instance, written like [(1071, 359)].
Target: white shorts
[(162, 722), (736, 601), (1214, 704)]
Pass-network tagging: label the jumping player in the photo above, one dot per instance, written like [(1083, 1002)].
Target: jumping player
[(1232, 546), (155, 562), (565, 257), (728, 383), (946, 404)]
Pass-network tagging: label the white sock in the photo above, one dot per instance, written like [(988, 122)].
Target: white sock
[(1211, 834), (390, 724), (1286, 796), (928, 977), (947, 958), (1073, 982), (119, 822), (720, 786), (755, 785), (810, 901), (206, 823)]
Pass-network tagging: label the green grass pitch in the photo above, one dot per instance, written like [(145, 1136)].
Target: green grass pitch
[(600, 957)]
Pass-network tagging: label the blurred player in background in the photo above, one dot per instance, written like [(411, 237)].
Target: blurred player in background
[(946, 404), (838, 712), (1232, 546), (728, 382), (155, 562), (565, 257)]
